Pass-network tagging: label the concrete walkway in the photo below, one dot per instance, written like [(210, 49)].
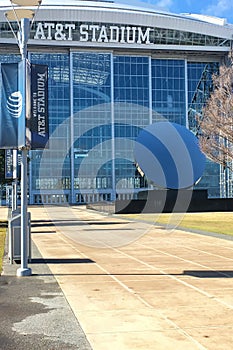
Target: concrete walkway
[(133, 286)]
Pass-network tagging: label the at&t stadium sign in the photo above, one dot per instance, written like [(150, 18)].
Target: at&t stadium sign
[(93, 33)]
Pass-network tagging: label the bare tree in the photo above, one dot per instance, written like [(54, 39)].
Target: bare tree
[(216, 122)]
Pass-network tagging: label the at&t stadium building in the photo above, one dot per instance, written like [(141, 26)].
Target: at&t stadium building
[(113, 69)]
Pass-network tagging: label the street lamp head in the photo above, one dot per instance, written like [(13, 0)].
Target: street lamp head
[(24, 17), (26, 2), (18, 14)]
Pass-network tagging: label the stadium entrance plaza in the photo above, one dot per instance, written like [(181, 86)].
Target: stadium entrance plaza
[(134, 285)]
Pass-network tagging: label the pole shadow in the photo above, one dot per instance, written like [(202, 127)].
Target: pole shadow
[(61, 261)]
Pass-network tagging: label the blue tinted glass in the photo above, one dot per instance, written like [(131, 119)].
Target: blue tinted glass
[(92, 119), (199, 88), (10, 58), (195, 71), (168, 89), (131, 97), (131, 80), (92, 82), (59, 111)]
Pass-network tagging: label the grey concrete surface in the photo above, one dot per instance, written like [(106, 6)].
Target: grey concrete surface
[(109, 283), (34, 312)]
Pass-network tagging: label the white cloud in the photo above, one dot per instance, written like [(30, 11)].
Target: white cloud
[(220, 9), (161, 4), (164, 5)]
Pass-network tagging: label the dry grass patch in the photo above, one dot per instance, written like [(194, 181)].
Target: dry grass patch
[(218, 222)]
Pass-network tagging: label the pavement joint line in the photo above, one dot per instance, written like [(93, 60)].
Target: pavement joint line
[(25, 324), (210, 327), (208, 253), (186, 331), (179, 281), (185, 260), (199, 250), (115, 279), (212, 244), (178, 328)]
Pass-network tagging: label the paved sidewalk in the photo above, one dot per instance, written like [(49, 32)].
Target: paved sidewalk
[(130, 285), (35, 314)]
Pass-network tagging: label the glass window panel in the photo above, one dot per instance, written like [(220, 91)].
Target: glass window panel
[(168, 89), (92, 118), (59, 111)]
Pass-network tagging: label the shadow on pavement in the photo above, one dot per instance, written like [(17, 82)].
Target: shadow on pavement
[(61, 261), (46, 223), (197, 274), (209, 274)]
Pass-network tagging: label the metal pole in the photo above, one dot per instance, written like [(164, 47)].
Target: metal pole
[(15, 176), (14, 196), (24, 270)]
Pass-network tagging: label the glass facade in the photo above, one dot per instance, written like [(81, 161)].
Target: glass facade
[(49, 178), (98, 103), (168, 89), (199, 89), (131, 113), (91, 86)]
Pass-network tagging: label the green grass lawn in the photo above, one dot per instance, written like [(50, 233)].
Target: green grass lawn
[(218, 222), (2, 245)]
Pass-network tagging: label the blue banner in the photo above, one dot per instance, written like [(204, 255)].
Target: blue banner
[(24, 106), (12, 120), (22, 88), (39, 125), (11, 102)]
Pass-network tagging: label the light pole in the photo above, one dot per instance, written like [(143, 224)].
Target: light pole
[(23, 16)]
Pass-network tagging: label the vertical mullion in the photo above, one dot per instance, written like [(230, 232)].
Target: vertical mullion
[(72, 129)]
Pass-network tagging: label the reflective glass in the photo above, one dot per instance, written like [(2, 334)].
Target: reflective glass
[(51, 176), (104, 132), (92, 121), (199, 89), (168, 89), (131, 112)]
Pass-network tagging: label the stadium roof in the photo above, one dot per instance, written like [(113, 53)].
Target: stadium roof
[(119, 13)]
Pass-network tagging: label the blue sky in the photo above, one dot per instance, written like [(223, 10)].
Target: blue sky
[(218, 8)]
